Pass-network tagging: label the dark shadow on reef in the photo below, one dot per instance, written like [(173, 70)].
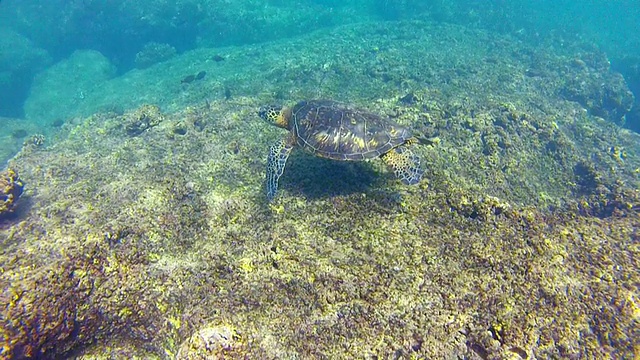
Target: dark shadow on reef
[(318, 178), (629, 67), (20, 213)]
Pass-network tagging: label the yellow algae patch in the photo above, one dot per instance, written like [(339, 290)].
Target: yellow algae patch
[(246, 264), (175, 322)]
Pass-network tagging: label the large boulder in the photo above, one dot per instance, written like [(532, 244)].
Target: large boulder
[(603, 93), (20, 59), (59, 91)]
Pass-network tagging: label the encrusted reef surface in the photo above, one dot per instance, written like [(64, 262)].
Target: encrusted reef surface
[(11, 188), (147, 234)]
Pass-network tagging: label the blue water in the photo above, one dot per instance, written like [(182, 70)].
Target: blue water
[(35, 35)]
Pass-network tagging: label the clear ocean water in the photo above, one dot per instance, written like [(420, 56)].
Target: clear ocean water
[(39, 34)]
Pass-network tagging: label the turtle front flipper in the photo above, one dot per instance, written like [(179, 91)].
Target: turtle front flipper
[(405, 165), (276, 161)]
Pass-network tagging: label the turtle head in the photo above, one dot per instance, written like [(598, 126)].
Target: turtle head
[(276, 115)]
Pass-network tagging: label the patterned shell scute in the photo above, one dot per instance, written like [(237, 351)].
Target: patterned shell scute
[(336, 131)]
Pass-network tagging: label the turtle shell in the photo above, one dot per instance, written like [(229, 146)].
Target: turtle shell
[(336, 131)]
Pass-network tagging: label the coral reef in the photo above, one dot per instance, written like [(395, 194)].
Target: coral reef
[(215, 342), (11, 188), (189, 238), (375, 68), (603, 94)]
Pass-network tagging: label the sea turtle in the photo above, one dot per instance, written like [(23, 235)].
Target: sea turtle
[(336, 131)]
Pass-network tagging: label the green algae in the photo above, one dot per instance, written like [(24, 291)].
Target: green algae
[(520, 242)]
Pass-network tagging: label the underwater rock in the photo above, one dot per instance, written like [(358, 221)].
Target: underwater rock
[(116, 349), (21, 59), (179, 129), (58, 91), (153, 53), (217, 342), (11, 188), (143, 118), (604, 94), (409, 99)]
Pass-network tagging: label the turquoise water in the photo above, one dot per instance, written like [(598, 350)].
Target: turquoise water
[(38, 34)]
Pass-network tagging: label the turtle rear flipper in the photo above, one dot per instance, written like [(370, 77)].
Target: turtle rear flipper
[(405, 165), (276, 161)]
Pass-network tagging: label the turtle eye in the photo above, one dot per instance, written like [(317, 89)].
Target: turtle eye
[(263, 113), (269, 113)]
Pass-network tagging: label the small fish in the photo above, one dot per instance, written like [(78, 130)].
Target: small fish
[(217, 58), (188, 79), (201, 75)]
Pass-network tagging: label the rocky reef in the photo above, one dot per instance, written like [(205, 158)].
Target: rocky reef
[(153, 53), (11, 188), (610, 99), (148, 233)]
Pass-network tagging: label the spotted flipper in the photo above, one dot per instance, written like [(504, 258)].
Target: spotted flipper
[(405, 165), (276, 161)]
